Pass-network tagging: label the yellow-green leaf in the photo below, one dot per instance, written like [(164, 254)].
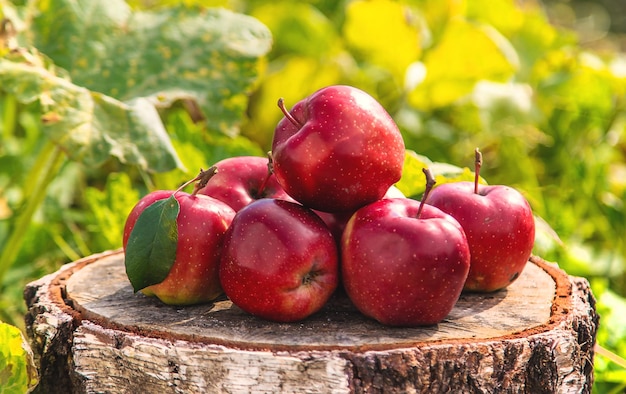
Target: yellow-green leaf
[(466, 54), (383, 32), (18, 373), (210, 55), (412, 183)]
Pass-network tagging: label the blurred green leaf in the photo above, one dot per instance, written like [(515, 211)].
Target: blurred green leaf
[(466, 54), (18, 373), (610, 369), (110, 208), (413, 182), (385, 33), (298, 28), (89, 126), (209, 55)]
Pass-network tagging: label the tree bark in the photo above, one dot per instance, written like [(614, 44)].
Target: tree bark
[(90, 333)]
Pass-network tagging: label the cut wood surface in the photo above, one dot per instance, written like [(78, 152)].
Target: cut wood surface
[(91, 333)]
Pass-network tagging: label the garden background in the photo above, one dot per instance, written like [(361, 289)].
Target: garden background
[(102, 101)]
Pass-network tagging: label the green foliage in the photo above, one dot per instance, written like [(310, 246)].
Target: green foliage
[(89, 126), (110, 207), (181, 52), (124, 89), (17, 368)]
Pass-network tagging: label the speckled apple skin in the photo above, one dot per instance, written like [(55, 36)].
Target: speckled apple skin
[(402, 270), (500, 228), (347, 153), (279, 262)]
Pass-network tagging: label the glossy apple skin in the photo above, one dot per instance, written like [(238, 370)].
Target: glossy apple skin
[(347, 153), (279, 262), (500, 229), (238, 182), (402, 270), (202, 223)]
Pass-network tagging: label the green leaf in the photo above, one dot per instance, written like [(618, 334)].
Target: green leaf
[(293, 23), (89, 126), (413, 183), (372, 25), (151, 249), (109, 208), (209, 55), (466, 54), (18, 373)]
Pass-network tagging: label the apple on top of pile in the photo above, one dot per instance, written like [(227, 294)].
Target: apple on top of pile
[(279, 235)]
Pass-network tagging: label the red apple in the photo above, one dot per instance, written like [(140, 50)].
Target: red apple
[(337, 150), (279, 261), (243, 179), (201, 224), (499, 225), (404, 263)]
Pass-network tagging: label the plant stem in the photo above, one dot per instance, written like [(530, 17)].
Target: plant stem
[(430, 183), (478, 162), (41, 175), (202, 179), (289, 116)]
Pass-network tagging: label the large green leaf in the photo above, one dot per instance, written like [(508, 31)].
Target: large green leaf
[(18, 373), (209, 55), (89, 126)]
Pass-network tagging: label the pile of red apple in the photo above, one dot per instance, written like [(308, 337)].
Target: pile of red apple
[(279, 235)]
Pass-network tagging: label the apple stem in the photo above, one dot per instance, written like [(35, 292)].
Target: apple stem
[(270, 171), (281, 105), (430, 183), (478, 162), (202, 178)]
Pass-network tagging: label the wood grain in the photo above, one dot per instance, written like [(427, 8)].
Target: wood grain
[(102, 292)]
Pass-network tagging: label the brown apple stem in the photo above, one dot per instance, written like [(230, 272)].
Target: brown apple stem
[(281, 105), (202, 178), (478, 162), (270, 171), (430, 183)]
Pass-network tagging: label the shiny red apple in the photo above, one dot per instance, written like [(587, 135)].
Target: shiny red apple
[(404, 263), (279, 261), (500, 228), (337, 150), (201, 225)]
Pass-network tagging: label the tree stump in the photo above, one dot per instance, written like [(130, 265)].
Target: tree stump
[(90, 333)]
